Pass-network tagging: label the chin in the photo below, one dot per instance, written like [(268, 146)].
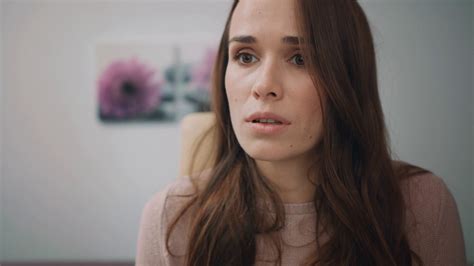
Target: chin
[(267, 153), (266, 157)]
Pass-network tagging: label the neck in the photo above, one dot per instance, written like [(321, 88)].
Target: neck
[(290, 178)]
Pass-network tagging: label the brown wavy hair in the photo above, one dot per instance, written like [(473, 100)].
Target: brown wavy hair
[(358, 196)]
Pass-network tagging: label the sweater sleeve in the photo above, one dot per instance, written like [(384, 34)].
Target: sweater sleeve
[(149, 245), (450, 246)]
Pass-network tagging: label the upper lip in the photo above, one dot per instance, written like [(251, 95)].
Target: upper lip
[(267, 115)]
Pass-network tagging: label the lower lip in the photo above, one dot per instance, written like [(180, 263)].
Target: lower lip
[(267, 128)]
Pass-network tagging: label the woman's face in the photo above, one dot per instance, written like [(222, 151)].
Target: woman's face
[(266, 74)]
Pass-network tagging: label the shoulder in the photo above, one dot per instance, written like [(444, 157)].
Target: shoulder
[(175, 193), (431, 211), (423, 190), (149, 247), (162, 203), (159, 213), (157, 204), (426, 196)]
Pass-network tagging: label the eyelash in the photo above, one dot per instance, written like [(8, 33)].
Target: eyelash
[(237, 57)]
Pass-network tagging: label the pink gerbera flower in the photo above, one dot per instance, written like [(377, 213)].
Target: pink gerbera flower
[(127, 88)]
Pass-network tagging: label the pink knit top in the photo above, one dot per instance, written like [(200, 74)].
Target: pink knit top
[(433, 226)]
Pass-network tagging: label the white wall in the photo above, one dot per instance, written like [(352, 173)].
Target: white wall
[(425, 66), (1, 132), (471, 229), (73, 188)]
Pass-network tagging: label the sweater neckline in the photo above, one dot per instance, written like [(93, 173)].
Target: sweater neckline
[(299, 208), (290, 208)]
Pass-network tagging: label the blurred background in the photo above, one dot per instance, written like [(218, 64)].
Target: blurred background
[(73, 186)]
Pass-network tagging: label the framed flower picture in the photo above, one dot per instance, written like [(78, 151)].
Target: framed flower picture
[(152, 82)]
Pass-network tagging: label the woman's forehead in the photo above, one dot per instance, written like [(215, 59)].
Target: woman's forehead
[(264, 17)]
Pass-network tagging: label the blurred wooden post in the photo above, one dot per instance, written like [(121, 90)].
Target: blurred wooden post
[(193, 127)]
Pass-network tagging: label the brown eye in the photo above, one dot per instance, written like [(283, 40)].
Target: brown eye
[(298, 59), (245, 58)]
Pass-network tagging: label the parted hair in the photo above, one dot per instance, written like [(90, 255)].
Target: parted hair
[(358, 197)]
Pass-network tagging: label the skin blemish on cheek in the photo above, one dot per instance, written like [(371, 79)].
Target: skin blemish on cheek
[(291, 145)]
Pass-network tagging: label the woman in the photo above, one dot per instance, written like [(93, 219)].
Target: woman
[(302, 148)]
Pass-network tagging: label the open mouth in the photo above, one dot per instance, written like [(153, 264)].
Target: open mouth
[(267, 121)]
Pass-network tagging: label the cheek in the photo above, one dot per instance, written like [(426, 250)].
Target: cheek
[(311, 121), (237, 85), (230, 83), (234, 93)]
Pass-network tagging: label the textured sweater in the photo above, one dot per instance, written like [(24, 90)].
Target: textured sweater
[(432, 225)]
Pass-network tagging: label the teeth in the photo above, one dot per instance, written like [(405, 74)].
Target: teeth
[(267, 121)]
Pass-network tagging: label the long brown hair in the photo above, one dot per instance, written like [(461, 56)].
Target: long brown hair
[(358, 197)]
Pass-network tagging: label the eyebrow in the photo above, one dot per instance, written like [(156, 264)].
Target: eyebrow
[(248, 39)]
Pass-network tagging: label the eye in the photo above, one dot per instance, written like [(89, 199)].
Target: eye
[(244, 58), (298, 59)]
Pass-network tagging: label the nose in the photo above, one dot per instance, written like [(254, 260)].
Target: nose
[(267, 85)]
